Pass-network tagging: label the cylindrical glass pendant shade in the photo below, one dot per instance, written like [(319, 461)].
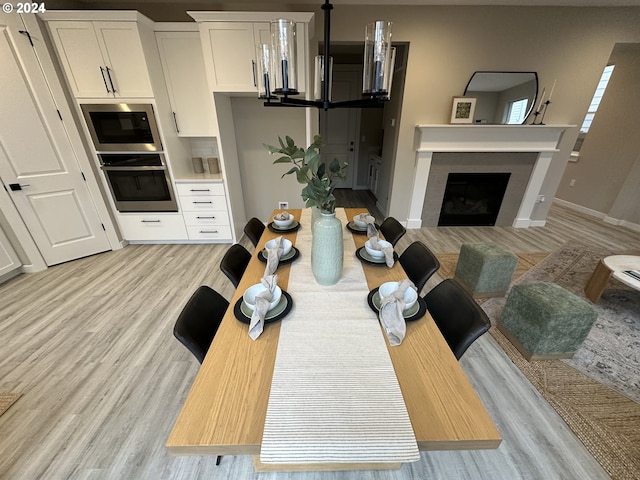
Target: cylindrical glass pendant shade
[(319, 83), (389, 76), (264, 69), (377, 59), (284, 66)]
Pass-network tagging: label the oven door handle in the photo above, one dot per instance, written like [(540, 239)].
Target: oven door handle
[(108, 168)]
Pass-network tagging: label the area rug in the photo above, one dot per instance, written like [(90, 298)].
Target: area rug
[(6, 400), (607, 421)]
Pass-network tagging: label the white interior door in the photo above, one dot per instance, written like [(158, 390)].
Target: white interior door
[(339, 127), (36, 157)]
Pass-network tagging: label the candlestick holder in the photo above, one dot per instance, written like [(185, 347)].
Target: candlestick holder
[(541, 111)]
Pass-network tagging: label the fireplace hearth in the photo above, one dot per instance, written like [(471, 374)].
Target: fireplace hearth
[(472, 199)]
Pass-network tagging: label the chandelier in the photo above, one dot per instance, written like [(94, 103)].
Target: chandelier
[(277, 63)]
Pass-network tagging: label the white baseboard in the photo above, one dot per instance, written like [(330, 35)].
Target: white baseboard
[(602, 216), (537, 223), (623, 223), (580, 208), (413, 223)]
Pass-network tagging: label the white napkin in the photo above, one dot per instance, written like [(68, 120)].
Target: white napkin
[(273, 257), (362, 217), (263, 300), (391, 318), (373, 240)]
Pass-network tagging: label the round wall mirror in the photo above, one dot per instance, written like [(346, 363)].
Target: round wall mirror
[(503, 98)]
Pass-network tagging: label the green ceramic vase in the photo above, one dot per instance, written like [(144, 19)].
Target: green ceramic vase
[(327, 251)]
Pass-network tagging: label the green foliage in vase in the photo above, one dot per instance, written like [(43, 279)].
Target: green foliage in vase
[(311, 171)]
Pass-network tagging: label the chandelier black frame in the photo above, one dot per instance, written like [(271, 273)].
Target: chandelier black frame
[(374, 98)]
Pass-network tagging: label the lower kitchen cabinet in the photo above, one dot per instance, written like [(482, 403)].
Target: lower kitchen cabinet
[(152, 226), (205, 211)]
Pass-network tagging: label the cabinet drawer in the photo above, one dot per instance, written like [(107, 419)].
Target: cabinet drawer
[(204, 202), (199, 189), (215, 217), (152, 227), (212, 232)]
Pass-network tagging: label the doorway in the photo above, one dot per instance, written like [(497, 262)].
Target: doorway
[(362, 144)]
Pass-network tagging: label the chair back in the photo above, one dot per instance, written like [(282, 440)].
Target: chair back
[(253, 230), (392, 230), (419, 263), (460, 319), (199, 320), (235, 262)]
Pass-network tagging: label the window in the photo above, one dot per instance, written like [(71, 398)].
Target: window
[(593, 107), (516, 112)]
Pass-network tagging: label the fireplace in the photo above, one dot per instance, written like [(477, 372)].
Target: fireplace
[(525, 151), (472, 199)]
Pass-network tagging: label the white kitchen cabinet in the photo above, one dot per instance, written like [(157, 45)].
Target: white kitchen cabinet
[(9, 261), (205, 210), (102, 59), (232, 47), (186, 80), (152, 226)]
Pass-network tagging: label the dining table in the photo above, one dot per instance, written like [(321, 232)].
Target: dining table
[(227, 406)]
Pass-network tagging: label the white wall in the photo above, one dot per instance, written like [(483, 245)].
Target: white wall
[(256, 125)]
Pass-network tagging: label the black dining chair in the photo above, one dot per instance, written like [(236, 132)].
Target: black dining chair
[(419, 263), (460, 319), (253, 230), (199, 321), (235, 262), (392, 230)]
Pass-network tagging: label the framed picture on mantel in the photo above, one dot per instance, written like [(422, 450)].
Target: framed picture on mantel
[(463, 109)]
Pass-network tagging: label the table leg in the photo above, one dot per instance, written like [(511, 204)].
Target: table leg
[(598, 282)]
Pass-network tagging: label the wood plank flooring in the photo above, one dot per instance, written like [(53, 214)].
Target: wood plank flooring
[(89, 344)]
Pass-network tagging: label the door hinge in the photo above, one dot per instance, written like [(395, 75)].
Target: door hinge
[(103, 227), (24, 32), (59, 114), (83, 177)]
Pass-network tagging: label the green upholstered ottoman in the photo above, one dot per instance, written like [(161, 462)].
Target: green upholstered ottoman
[(485, 269), (544, 321)]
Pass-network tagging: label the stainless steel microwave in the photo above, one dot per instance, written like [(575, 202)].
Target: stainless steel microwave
[(122, 127)]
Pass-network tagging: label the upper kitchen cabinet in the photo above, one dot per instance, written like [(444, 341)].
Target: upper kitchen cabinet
[(232, 47), (230, 44), (184, 73), (101, 59)]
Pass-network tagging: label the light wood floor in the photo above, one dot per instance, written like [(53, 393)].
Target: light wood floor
[(89, 345)]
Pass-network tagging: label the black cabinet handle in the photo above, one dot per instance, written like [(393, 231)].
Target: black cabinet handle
[(104, 80), (200, 218), (175, 121), (208, 231), (253, 70), (199, 190), (150, 221), (202, 202), (17, 186), (110, 79)]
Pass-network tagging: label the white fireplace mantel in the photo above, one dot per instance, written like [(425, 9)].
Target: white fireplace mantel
[(543, 139)]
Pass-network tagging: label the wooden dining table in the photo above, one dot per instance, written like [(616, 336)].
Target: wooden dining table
[(224, 412)]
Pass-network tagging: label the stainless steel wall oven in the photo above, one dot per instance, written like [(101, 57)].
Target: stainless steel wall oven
[(139, 182)]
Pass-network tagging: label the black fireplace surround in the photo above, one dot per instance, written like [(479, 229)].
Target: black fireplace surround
[(472, 199)]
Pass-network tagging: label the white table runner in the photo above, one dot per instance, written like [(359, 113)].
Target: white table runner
[(334, 395)]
